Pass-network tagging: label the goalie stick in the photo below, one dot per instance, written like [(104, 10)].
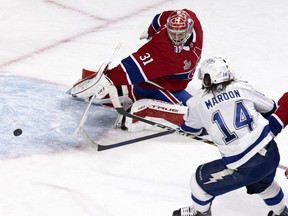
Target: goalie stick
[(117, 105), (102, 69), (100, 147)]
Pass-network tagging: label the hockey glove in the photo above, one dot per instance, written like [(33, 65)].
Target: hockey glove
[(196, 131), (95, 85), (144, 35), (279, 119)]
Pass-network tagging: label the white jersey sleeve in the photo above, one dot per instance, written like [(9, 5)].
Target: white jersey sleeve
[(233, 118), (263, 104)]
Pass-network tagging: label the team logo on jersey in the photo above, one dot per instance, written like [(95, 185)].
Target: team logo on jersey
[(187, 64)]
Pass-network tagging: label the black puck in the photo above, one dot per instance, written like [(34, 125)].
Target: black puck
[(17, 132)]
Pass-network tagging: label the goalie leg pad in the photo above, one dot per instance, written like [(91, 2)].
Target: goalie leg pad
[(158, 111)]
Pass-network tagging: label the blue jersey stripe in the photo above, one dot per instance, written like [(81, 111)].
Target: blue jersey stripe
[(263, 135), (275, 126), (155, 22), (132, 70), (184, 127), (266, 115)]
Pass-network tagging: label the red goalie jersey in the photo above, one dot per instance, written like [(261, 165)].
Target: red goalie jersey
[(169, 58)]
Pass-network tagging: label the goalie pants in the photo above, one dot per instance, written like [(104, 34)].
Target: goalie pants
[(174, 97), (257, 175)]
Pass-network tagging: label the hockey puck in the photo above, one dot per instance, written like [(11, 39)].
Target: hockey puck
[(286, 174), (17, 132)]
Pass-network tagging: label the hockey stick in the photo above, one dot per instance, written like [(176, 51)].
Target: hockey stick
[(100, 147), (117, 105), (127, 142), (84, 117)]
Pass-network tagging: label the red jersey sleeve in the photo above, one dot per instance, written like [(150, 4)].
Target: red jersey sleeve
[(158, 21)]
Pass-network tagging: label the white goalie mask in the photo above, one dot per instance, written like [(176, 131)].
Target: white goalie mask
[(218, 70), (179, 28)]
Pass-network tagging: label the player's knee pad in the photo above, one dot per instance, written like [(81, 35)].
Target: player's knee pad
[(157, 111)]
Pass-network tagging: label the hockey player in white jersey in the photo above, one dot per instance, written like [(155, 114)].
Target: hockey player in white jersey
[(243, 123)]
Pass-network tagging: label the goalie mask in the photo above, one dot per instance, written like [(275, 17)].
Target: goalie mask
[(179, 28), (217, 69)]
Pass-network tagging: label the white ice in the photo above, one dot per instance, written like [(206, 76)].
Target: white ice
[(49, 170)]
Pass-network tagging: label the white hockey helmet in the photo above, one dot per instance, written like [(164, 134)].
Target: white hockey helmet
[(218, 70), (179, 28)]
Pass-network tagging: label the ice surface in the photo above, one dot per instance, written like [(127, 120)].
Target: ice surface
[(49, 170)]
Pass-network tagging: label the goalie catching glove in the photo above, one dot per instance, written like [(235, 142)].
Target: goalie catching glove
[(97, 85), (279, 119)]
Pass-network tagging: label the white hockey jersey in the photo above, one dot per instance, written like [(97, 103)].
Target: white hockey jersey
[(233, 118)]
